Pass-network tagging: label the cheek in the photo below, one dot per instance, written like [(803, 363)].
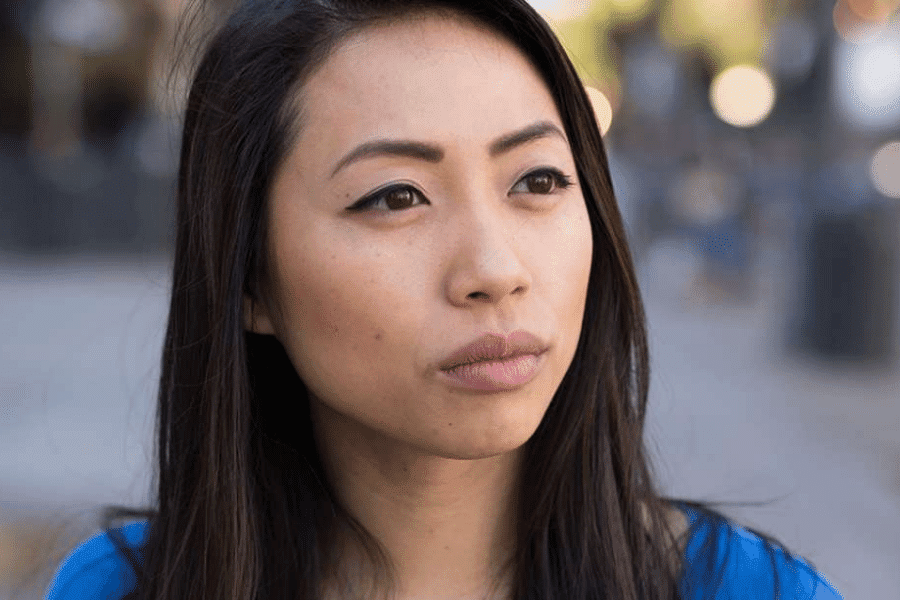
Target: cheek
[(569, 263), (318, 308), (343, 313), (570, 267)]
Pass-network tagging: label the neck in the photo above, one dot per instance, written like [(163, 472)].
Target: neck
[(447, 525)]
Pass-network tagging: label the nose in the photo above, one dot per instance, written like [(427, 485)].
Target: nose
[(486, 266)]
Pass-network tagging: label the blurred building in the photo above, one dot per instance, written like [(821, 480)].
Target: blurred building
[(90, 102), (742, 137), (754, 142)]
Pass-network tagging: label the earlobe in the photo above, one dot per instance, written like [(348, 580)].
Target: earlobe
[(256, 317)]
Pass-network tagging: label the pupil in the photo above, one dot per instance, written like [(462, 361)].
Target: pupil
[(541, 184), (398, 198)]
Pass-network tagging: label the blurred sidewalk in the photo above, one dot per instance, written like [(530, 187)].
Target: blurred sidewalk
[(735, 418), (79, 360), (731, 418)]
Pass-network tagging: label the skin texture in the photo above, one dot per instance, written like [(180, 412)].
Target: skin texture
[(367, 304)]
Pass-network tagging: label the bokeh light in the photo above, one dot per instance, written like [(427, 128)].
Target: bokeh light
[(867, 80), (885, 170), (872, 10), (603, 110), (853, 28), (879, 74), (561, 10), (729, 31), (742, 95)]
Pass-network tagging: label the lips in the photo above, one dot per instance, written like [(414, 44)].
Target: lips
[(495, 347)]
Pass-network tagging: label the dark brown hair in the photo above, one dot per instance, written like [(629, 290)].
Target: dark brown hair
[(243, 509)]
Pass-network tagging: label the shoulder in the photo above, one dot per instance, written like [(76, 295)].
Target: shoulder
[(726, 561), (97, 569)]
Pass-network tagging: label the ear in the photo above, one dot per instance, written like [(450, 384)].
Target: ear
[(256, 317)]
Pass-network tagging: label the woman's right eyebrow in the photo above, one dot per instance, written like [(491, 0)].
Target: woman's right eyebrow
[(410, 149), (434, 154)]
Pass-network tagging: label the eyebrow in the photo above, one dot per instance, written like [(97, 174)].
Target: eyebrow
[(435, 154), (541, 129)]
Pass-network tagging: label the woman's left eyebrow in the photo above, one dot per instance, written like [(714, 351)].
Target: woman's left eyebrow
[(538, 130), (434, 154)]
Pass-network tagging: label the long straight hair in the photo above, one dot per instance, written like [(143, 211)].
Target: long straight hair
[(243, 509)]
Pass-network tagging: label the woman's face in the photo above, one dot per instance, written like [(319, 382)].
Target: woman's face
[(424, 205)]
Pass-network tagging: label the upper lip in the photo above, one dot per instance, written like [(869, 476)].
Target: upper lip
[(495, 346)]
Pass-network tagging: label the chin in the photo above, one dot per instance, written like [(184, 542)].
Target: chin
[(483, 439)]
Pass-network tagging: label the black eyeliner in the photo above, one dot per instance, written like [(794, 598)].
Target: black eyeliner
[(561, 180), (366, 201)]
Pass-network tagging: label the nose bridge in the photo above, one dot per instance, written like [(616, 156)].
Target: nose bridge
[(487, 261), (487, 228)]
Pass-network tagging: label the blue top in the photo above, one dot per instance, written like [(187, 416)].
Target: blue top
[(721, 556)]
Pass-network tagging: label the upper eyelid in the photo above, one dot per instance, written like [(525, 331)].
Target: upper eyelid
[(550, 166), (396, 185), (542, 169)]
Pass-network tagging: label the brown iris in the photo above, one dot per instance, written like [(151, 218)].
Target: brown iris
[(399, 198), (541, 183)]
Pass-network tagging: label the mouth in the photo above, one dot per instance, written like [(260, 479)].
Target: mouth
[(496, 375), (494, 347), (494, 362)]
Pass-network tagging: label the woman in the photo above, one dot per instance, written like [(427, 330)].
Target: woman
[(406, 354)]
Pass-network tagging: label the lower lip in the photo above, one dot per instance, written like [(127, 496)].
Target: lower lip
[(496, 376)]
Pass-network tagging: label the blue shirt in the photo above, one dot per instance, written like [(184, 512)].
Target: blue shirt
[(721, 556)]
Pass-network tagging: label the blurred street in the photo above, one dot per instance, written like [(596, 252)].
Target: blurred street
[(755, 153), (738, 419), (732, 417)]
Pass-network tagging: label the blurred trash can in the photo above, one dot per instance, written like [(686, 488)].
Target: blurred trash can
[(849, 284)]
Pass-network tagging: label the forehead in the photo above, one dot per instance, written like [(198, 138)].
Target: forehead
[(434, 77)]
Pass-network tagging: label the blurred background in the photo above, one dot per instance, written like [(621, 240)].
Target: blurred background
[(755, 148)]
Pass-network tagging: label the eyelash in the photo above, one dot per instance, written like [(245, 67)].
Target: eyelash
[(560, 182)]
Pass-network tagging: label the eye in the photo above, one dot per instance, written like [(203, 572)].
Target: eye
[(542, 181), (394, 198)]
